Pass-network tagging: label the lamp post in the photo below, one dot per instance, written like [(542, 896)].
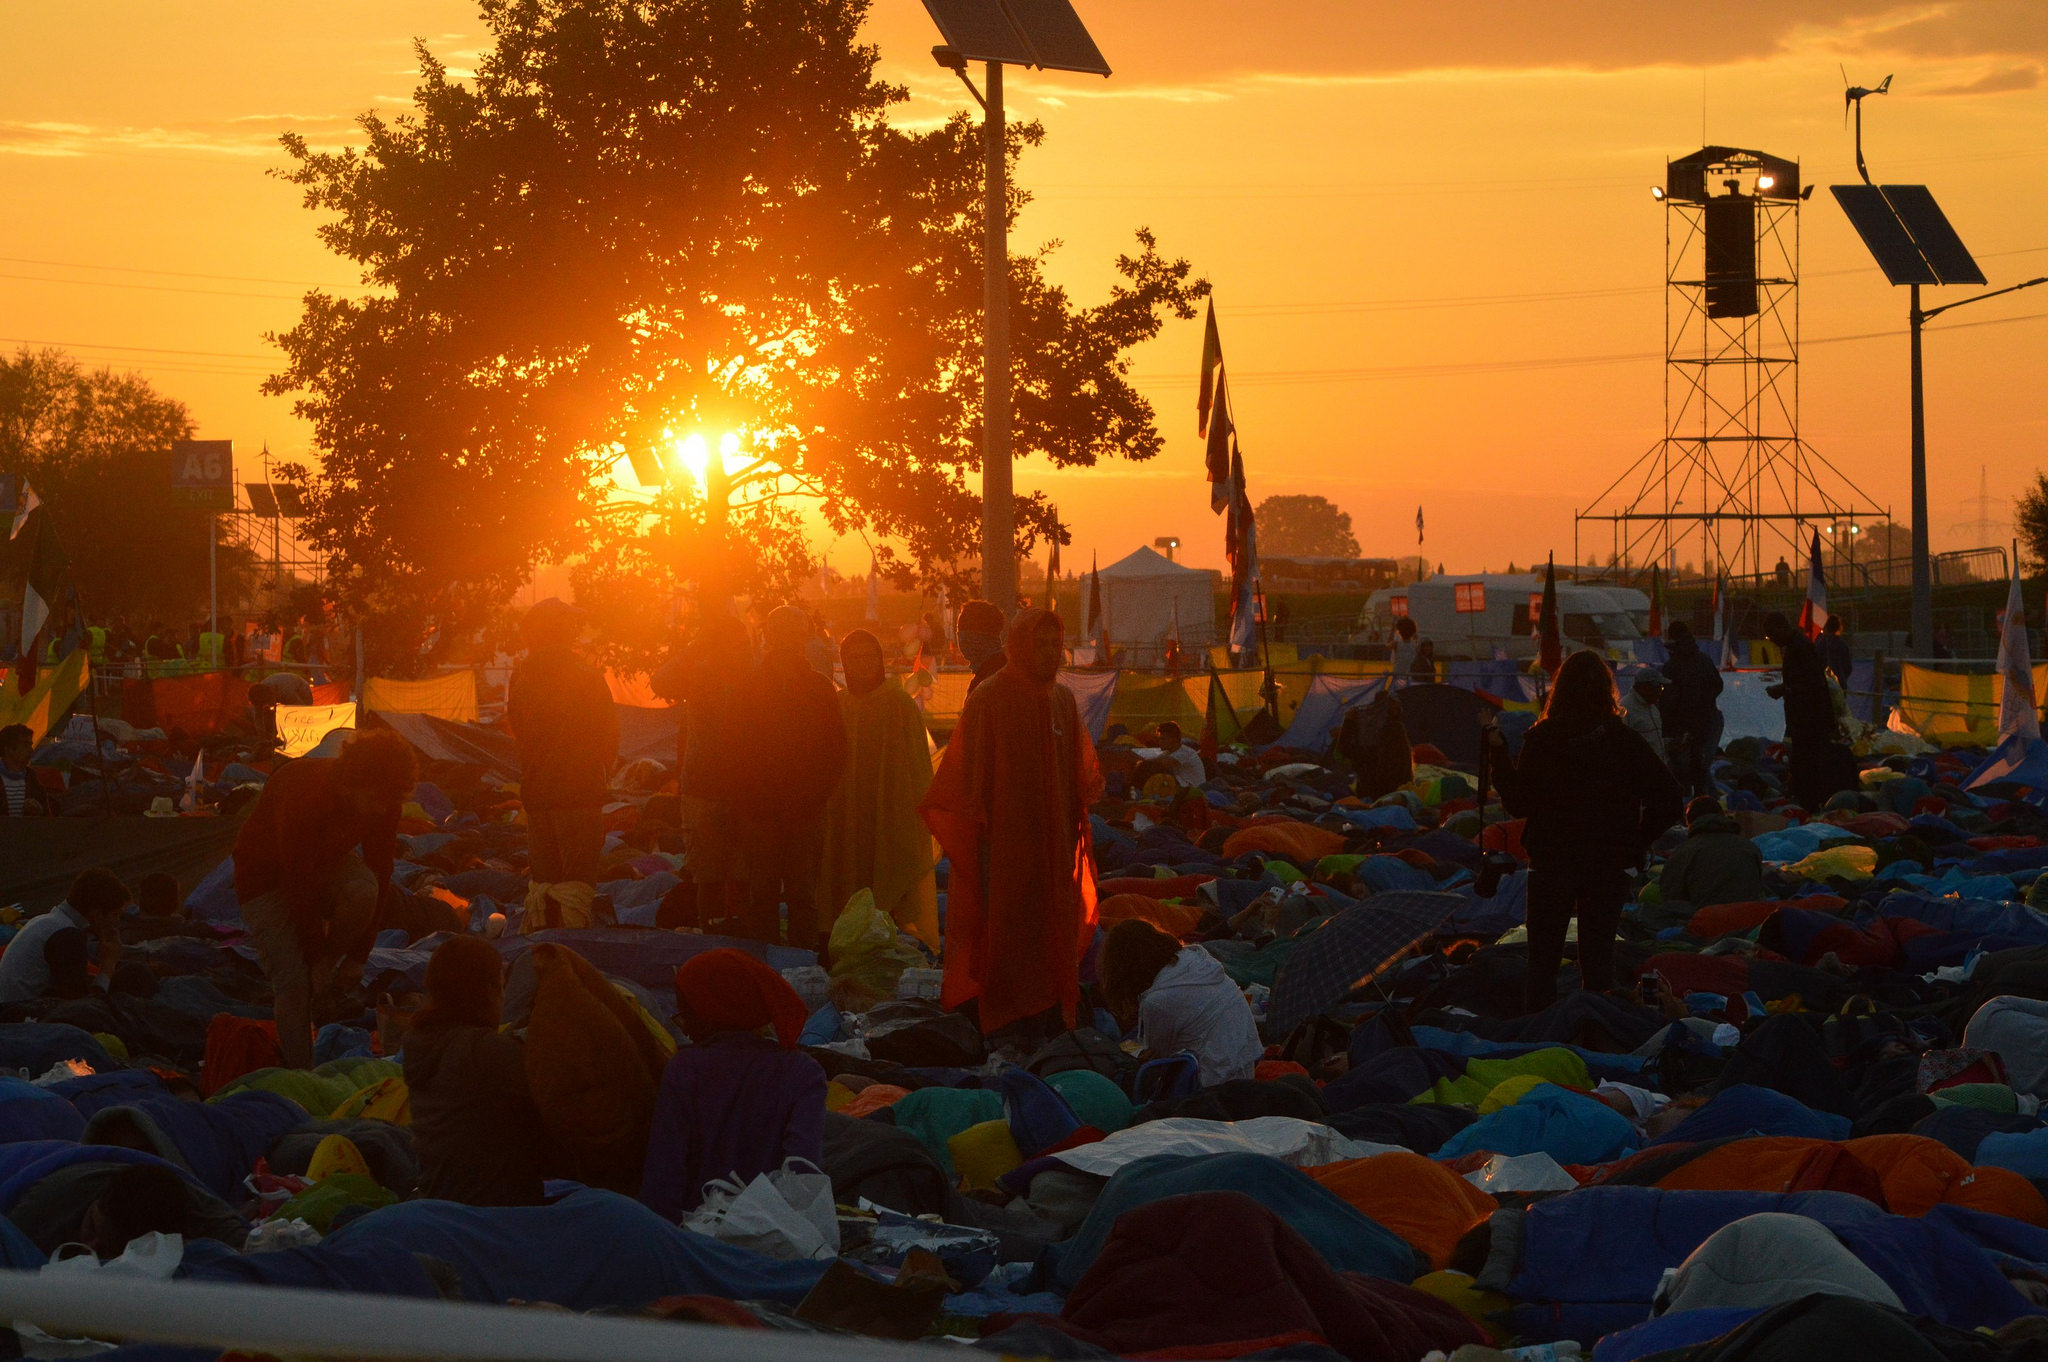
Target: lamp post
[(1923, 566)]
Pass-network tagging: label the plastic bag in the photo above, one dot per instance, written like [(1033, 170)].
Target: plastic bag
[(868, 956), (968, 1255), (785, 1214), (275, 1235), (154, 1255)]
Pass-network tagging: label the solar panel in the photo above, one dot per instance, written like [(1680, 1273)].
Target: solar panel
[(260, 500), (1057, 36), (979, 30), (1879, 226), (290, 504), (1938, 242)]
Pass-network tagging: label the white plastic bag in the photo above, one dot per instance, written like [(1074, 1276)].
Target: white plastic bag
[(154, 1255), (274, 1235), (785, 1214)]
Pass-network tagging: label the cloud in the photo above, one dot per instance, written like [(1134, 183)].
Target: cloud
[(1993, 83), (245, 137)]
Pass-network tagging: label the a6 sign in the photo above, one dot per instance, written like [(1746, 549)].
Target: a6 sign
[(203, 474)]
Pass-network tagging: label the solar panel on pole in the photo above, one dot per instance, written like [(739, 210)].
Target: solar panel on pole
[(1889, 241), (1921, 216), (1056, 35), (979, 30), (260, 499), (290, 504)]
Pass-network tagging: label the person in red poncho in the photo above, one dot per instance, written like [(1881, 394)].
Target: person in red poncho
[(1009, 805)]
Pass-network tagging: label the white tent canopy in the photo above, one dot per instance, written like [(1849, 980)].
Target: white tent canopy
[(1145, 594)]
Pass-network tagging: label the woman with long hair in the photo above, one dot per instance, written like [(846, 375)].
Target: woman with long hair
[(1595, 796)]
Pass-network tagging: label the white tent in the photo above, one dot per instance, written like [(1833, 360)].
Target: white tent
[(1145, 594)]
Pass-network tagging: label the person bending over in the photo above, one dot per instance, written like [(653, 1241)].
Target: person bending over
[(1178, 998)]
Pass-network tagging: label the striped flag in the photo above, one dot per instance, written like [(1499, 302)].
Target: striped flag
[(1813, 612), (1212, 371), (2018, 707), (44, 579)]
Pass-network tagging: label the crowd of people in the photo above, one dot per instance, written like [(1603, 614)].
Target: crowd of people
[(1622, 1038)]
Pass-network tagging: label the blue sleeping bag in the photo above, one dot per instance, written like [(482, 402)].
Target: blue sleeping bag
[(28, 1112), (591, 1250), (1746, 1109), (366, 1268), (1568, 1126), (1348, 1240), (219, 1141)]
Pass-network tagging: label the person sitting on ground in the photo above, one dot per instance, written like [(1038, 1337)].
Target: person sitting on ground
[(48, 957), (312, 862), (1173, 757), (1716, 864), (561, 711), (1595, 797), (478, 1134), (1641, 707), (733, 1104), (1178, 999), (873, 837), (980, 631), (142, 1199), (20, 794), (782, 778)]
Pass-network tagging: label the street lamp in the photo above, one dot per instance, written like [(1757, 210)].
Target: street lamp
[(1046, 34)]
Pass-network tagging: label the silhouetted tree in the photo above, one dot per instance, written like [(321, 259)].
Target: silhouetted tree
[(642, 221), (2031, 516), (1304, 527), (96, 446)]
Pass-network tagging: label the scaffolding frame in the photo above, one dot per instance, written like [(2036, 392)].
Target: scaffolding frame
[(1731, 484)]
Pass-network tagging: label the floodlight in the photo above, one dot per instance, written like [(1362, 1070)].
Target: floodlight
[(1766, 181), (1657, 193)]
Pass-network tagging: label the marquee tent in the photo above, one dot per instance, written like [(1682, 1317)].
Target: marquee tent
[(1143, 594)]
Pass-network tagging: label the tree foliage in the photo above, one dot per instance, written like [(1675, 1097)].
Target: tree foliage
[(1305, 527), (647, 219), (2030, 518), (96, 446)]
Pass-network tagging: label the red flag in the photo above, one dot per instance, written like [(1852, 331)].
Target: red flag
[(1216, 455), (1813, 611)]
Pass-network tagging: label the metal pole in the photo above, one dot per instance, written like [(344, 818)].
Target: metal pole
[(998, 512), (212, 580), (1923, 589)]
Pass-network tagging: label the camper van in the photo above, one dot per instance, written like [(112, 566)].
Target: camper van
[(1488, 614)]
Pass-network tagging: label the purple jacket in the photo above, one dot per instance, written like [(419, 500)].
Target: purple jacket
[(734, 1107)]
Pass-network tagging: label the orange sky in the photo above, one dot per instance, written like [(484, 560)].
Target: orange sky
[(1351, 174)]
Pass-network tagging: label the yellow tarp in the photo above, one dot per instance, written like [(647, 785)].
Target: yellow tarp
[(301, 727), (55, 691), (451, 696), (1953, 710), (635, 689), (1142, 701)]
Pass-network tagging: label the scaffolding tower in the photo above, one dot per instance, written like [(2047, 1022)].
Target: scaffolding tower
[(263, 526), (1731, 486)]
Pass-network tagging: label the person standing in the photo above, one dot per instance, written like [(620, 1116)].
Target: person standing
[(781, 776), (561, 712), (873, 836), (1833, 648), (1595, 797), (980, 630), (1814, 764), (1692, 709), (1643, 708), (701, 677), (312, 862), (1406, 646), (1009, 806)]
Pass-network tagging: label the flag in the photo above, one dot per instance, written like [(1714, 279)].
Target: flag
[(1052, 579), (1092, 624), (1212, 365), (1813, 613), (2020, 758), (1418, 527), (1724, 621), (1549, 647), (874, 587), (1656, 604), (44, 580), (1219, 722), (1222, 442), (29, 501), (946, 614), (1241, 546)]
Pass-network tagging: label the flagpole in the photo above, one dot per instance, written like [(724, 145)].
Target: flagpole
[(92, 707), (1266, 686)]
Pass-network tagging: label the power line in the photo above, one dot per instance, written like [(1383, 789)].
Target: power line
[(174, 274)]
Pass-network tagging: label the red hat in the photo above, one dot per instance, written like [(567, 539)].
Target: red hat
[(730, 990)]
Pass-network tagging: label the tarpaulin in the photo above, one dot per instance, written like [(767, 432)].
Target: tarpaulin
[(49, 699), (1094, 696), (1329, 698), (450, 696), (39, 856), (301, 727), (633, 688), (332, 693), (199, 705), (1955, 710)]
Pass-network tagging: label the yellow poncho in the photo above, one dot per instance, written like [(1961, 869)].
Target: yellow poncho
[(874, 838)]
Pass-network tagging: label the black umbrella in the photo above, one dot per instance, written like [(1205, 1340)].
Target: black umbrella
[(1352, 948)]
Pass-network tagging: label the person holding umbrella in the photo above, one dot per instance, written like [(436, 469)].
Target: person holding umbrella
[(1595, 796)]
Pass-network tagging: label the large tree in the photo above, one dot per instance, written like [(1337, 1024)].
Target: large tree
[(1304, 527), (96, 447), (645, 220)]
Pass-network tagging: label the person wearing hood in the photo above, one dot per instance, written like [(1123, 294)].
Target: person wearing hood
[(1715, 864), (1817, 766), (560, 710), (1595, 797), (781, 777), (479, 1137), (873, 836), (733, 1103), (1692, 709), (980, 630), (1009, 806), (1177, 999)]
